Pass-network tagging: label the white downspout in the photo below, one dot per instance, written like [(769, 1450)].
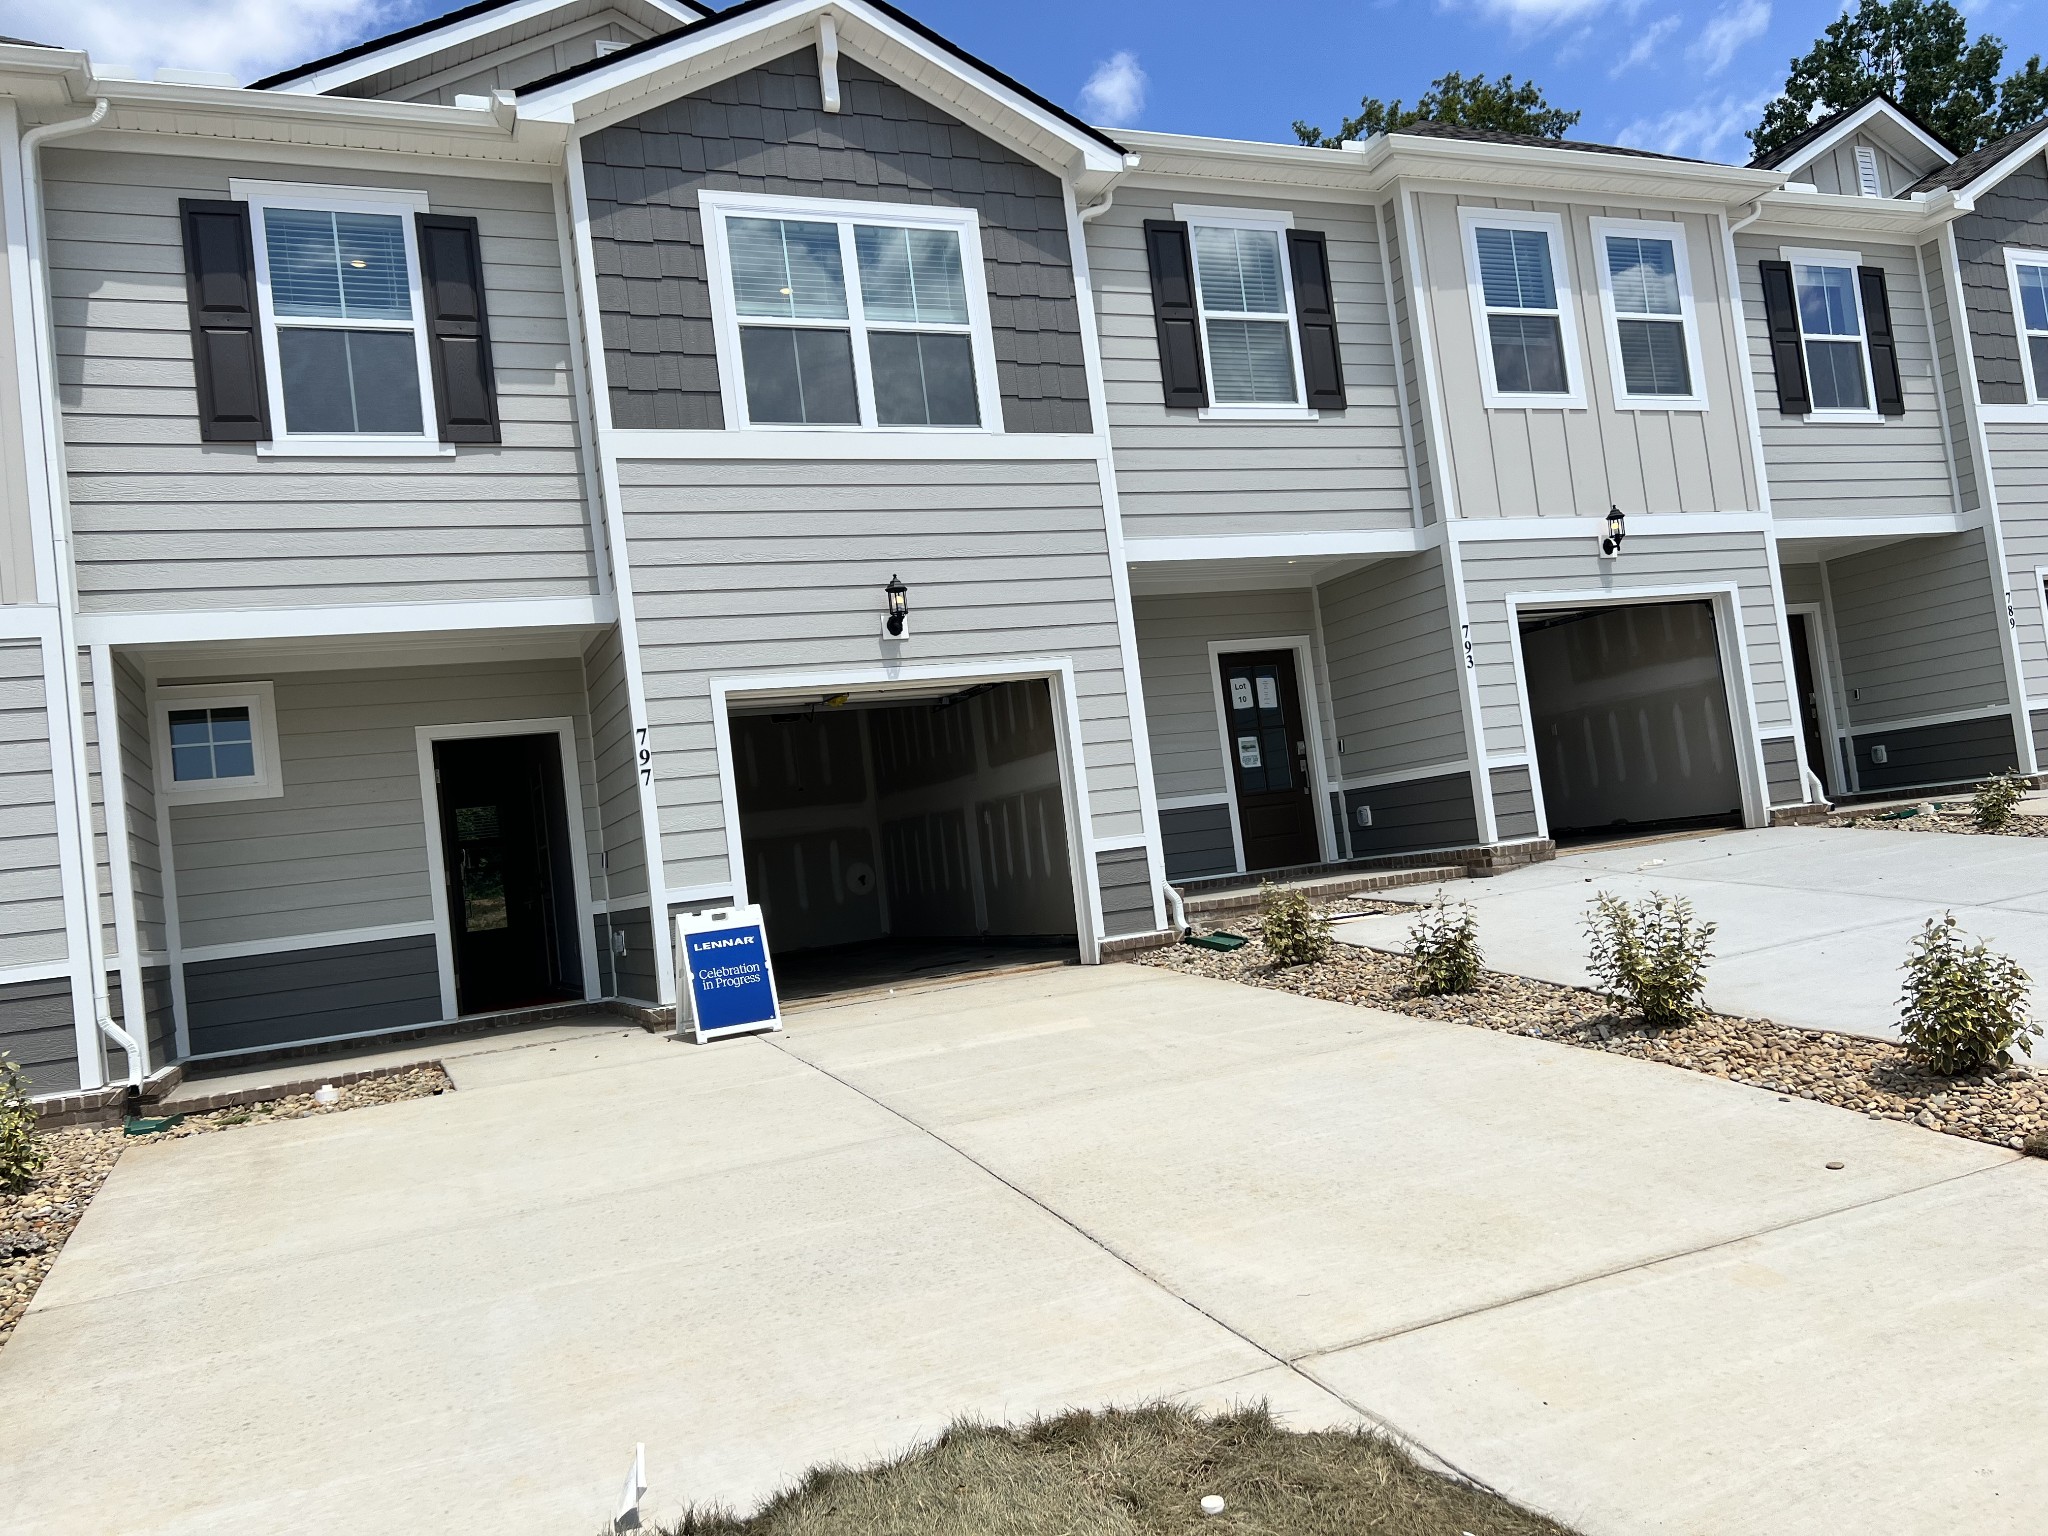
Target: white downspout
[(48, 407)]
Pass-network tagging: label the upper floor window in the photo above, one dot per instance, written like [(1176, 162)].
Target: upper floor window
[(1521, 308), (1246, 301), (1652, 333), (850, 315), (1830, 313), (2028, 271)]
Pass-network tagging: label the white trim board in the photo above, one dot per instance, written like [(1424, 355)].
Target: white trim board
[(1647, 525), (175, 627), (1280, 546), (36, 970), (293, 943), (1921, 722), (1458, 769), (777, 443)]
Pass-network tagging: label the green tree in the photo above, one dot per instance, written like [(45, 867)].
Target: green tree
[(1919, 53), (1470, 101)]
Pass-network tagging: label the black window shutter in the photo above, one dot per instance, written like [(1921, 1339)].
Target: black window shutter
[(1884, 349), (227, 349), (1315, 316), (458, 331), (1173, 312), (1781, 318)]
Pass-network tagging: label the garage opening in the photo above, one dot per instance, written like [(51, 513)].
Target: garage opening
[(891, 838), (1631, 717)]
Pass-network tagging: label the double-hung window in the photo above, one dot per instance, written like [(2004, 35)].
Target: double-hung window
[(1829, 303), (1652, 332), (850, 315), (345, 345), (1244, 294), (1521, 308), (2028, 272)]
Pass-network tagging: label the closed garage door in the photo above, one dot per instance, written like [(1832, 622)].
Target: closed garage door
[(1631, 717)]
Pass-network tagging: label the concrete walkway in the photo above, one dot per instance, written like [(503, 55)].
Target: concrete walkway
[(1633, 1296), (1814, 921)]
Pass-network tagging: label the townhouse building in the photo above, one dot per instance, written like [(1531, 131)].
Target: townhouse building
[(571, 462)]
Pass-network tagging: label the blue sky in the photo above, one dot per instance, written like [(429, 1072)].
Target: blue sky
[(1683, 76)]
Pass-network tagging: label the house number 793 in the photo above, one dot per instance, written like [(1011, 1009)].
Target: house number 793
[(644, 754)]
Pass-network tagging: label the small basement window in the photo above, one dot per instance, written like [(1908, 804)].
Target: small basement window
[(216, 743)]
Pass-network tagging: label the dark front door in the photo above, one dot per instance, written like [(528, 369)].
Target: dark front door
[(1276, 808), (1809, 694), (504, 840)]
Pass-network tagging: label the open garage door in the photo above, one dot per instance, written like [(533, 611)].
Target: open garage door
[(890, 838), (1631, 717)]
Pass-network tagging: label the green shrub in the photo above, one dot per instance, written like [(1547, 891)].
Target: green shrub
[(1651, 957), (21, 1155), (1443, 948), (1295, 933), (1992, 806), (1964, 1006)]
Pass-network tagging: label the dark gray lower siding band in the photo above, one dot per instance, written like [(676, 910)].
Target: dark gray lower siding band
[(2039, 719), (1514, 802), (1413, 814), (638, 977), (1197, 839), (1781, 772), (37, 1033), (1124, 876), (309, 994), (158, 1021), (1951, 753)]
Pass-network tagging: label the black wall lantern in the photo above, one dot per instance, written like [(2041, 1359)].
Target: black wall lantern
[(1617, 530), (897, 625)]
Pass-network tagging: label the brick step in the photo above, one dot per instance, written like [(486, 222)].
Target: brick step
[(1323, 887)]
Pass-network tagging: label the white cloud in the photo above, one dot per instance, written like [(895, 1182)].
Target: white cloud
[(1732, 28), (1645, 46), (244, 38), (1529, 16), (1115, 93), (1711, 128)]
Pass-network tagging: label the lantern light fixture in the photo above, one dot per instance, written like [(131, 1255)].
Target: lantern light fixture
[(897, 625), (1617, 530)]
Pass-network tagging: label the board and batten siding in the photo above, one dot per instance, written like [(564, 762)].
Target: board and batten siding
[(31, 863), (1894, 467), (1836, 172), (1498, 569), (1403, 319), (2013, 213), (1522, 462), (1179, 476), (1916, 629), (504, 59), (345, 846), (743, 568), (1392, 651), (766, 131), (164, 521)]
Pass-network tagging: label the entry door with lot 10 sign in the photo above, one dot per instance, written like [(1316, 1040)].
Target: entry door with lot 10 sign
[(1269, 760)]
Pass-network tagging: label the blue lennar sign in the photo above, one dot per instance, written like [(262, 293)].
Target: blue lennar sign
[(728, 981)]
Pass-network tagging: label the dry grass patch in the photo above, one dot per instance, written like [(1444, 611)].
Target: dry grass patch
[(1134, 1472)]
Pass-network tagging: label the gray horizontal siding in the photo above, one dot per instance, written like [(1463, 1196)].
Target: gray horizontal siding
[(1197, 841), (1948, 362), (1392, 651), (746, 568), (31, 870), (164, 521), (1124, 876), (138, 788), (1413, 814), (1955, 752), (1781, 771), (1801, 584), (37, 1033), (1895, 467), (1406, 349), (1179, 476), (2019, 461), (1496, 569), (1916, 628), (310, 994), (2015, 212), (621, 852), (765, 131), (1174, 632), (1514, 803)]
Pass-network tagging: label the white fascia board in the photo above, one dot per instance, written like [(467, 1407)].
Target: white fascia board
[(1900, 220), (172, 628), (1648, 181), (1892, 120), (1923, 525), (1279, 546), (45, 76), (2011, 162)]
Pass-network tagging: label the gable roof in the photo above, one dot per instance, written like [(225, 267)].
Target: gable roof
[(426, 29), (1821, 136), (1978, 162), (1429, 129)]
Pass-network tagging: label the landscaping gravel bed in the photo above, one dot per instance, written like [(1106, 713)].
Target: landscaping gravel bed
[(35, 1223), (1940, 816), (2008, 1108)]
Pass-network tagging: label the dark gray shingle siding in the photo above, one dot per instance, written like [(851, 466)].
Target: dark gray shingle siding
[(2014, 213), (765, 131)]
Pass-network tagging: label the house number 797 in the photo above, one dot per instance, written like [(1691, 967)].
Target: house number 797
[(645, 754)]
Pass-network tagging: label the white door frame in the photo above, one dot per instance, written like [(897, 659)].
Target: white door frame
[(1057, 672), (1831, 733), (1305, 680), (564, 732), (1745, 734)]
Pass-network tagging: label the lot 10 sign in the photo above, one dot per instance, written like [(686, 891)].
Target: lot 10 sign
[(728, 980)]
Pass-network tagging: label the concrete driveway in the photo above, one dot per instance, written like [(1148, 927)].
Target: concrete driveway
[(1633, 1296), (1814, 921)]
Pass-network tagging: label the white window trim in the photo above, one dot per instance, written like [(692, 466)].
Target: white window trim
[(1809, 256), (717, 207), (2037, 387), (1279, 221), (1687, 314), (268, 781), (394, 201), (1469, 222)]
